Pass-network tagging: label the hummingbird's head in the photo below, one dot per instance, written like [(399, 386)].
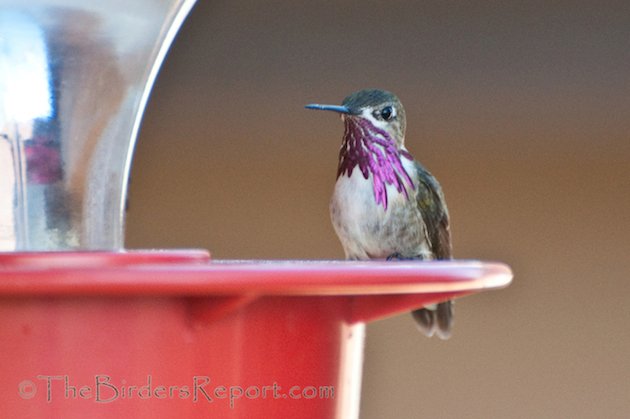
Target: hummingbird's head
[(369, 108), (373, 140)]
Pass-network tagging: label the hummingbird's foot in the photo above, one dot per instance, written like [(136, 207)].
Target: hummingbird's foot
[(397, 256)]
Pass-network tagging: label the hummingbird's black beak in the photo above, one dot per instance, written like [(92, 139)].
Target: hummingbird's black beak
[(334, 108)]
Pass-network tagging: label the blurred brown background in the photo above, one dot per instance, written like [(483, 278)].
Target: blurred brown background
[(521, 109)]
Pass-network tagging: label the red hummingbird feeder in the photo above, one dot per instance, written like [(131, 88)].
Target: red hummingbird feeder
[(92, 330)]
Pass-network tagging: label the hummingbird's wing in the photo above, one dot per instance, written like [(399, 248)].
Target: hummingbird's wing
[(432, 205)]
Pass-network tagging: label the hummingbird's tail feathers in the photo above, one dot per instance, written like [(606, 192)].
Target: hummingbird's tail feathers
[(434, 318), (444, 314), (425, 320), (437, 319)]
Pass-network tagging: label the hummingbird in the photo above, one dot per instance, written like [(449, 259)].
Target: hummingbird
[(385, 204)]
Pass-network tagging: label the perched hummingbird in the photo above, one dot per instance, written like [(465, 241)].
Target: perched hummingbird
[(385, 204)]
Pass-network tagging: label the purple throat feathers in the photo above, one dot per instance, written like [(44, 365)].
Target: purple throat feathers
[(375, 152)]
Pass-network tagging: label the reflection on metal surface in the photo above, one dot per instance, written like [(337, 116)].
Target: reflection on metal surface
[(74, 80)]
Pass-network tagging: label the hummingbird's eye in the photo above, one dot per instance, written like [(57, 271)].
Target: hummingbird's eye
[(387, 113)]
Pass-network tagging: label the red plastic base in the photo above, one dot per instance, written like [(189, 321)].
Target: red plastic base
[(171, 334)]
